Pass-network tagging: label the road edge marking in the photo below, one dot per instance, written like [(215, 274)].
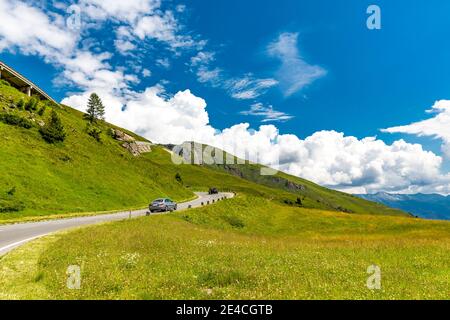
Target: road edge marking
[(15, 244)]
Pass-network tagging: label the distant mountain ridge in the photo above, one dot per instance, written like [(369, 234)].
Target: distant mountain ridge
[(427, 206)]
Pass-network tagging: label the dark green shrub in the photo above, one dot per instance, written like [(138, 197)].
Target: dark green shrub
[(36, 105), (187, 218), (16, 120), (11, 192), (53, 104), (28, 105), (42, 110), (10, 206), (221, 278), (234, 221), (94, 132), (178, 178), (8, 203), (32, 104), (4, 82), (111, 133), (65, 158), (53, 131), (21, 104), (342, 209)]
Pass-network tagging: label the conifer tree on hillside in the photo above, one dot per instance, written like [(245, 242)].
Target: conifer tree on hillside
[(90, 111), (95, 109), (100, 110), (53, 131)]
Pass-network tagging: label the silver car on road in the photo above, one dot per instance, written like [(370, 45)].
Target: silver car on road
[(162, 204)]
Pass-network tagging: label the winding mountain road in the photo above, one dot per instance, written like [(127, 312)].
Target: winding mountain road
[(14, 235)]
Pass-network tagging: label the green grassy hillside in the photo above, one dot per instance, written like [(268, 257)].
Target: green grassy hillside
[(311, 194), (79, 174), (84, 175)]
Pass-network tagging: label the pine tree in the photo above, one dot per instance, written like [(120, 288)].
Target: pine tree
[(95, 109), (53, 131), (90, 111), (100, 110)]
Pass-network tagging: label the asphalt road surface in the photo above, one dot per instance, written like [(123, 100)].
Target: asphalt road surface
[(14, 235)]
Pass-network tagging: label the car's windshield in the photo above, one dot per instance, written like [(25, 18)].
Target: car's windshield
[(159, 200)]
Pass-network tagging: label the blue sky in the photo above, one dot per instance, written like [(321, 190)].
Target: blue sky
[(296, 67)]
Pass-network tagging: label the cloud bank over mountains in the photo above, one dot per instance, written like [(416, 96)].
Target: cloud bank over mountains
[(327, 157)]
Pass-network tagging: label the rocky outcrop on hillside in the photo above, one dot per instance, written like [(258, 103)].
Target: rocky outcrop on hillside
[(121, 136), (136, 148), (294, 186)]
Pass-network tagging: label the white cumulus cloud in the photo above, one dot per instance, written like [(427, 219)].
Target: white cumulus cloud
[(344, 162), (437, 126), (31, 31)]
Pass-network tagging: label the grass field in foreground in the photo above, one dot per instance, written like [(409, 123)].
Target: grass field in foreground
[(243, 248)]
